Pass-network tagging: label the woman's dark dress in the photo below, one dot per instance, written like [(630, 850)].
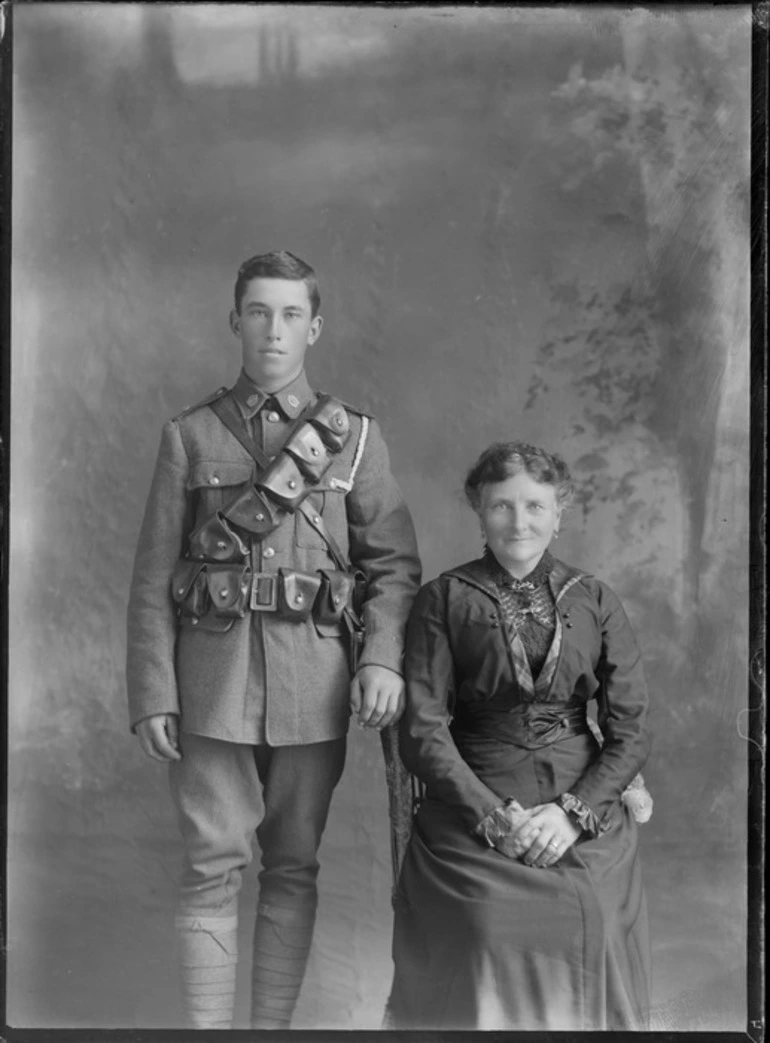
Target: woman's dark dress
[(482, 941)]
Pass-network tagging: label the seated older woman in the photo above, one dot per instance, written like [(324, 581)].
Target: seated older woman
[(520, 902)]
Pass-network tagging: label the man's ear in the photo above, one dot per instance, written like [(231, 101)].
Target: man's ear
[(315, 329), (235, 323)]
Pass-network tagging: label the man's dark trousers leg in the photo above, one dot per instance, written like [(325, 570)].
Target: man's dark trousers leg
[(297, 786), (223, 792)]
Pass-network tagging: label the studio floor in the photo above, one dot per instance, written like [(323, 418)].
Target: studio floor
[(91, 941)]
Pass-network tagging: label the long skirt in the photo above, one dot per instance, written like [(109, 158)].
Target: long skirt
[(482, 941)]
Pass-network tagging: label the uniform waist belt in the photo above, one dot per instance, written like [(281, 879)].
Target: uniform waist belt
[(206, 588), (264, 592), (530, 725)]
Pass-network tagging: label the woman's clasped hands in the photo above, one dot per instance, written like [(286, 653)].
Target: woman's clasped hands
[(538, 836)]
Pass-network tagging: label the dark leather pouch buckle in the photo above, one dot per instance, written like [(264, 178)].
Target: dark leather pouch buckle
[(253, 512), (189, 588), (296, 593), (334, 596), (229, 589)]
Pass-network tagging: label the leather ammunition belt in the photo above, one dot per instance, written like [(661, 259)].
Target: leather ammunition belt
[(202, 589), (281, 487)]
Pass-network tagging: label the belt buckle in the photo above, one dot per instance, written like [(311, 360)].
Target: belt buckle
[(264, 592)]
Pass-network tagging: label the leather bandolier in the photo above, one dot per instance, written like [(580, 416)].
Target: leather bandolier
[(218, 580)]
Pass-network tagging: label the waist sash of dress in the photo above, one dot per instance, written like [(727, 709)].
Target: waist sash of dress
[(530, 725)]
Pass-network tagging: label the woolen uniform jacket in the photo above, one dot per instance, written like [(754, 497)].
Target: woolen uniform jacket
[(266, 679)]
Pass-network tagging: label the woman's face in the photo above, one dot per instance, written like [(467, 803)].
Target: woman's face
[(519, 517)]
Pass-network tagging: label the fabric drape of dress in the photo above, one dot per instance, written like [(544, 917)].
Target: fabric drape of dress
[(482, 941)]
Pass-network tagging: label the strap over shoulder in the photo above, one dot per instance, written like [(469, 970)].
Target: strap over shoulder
[(215, 396), (351, 409)]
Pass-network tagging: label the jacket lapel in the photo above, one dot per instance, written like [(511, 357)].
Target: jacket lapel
[(561, 579), (477, 574)]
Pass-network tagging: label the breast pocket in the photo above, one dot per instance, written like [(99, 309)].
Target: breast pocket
[(214, 483)]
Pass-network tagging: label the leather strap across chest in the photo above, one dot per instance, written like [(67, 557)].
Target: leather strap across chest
[(226, 412)]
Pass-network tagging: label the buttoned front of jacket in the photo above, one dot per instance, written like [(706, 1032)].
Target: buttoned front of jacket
[(459, 660), (265, 679)]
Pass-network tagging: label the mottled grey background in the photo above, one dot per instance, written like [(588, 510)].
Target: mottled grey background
[(527, 223)]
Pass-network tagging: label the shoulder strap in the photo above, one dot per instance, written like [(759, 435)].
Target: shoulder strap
[(313, 516), (203, 402), (348, 406)]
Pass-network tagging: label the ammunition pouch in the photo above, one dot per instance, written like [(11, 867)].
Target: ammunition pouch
[(254, 513), (296, 594), (259, 509), (335, 595), (216, 540), (283, 482), (311, 454), (216, 584), (189, 588), (331, 421), (229, 591), (307, 455), (229, 588)]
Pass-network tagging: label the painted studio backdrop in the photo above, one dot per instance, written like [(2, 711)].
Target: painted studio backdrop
[(527, 223)]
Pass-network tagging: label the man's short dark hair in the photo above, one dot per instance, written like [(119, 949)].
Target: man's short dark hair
[(280, 264)]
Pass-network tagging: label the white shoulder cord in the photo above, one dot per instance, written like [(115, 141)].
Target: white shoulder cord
[(341, 483)]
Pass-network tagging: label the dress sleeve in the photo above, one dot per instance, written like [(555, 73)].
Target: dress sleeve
[(623, 708), (426, 744), (152, 626), (383, 546)]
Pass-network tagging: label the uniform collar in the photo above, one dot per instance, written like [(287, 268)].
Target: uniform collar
[(292, 399)]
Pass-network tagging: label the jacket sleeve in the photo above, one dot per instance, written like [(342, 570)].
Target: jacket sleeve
[(152, 626), (383, 546), (426, 744), (622, 718)]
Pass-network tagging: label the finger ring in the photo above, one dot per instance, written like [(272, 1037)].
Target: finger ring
[(554, 844)]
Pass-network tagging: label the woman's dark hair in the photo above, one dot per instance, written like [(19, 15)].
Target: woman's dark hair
[(505, 459), (280, 264)]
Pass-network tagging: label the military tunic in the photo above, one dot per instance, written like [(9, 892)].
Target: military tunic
[(265, 679)]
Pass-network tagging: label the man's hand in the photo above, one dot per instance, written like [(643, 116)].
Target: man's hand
[(159, 736), (377, 696)]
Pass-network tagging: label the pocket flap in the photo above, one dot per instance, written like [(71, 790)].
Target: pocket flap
[(217, 473)]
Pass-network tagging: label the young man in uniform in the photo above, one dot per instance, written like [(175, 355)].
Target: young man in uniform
[(274, 537)]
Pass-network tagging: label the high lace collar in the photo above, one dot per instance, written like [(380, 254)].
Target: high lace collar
[(534, 579)]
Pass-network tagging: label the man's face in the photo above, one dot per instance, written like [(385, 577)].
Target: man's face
[(275, 327)]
